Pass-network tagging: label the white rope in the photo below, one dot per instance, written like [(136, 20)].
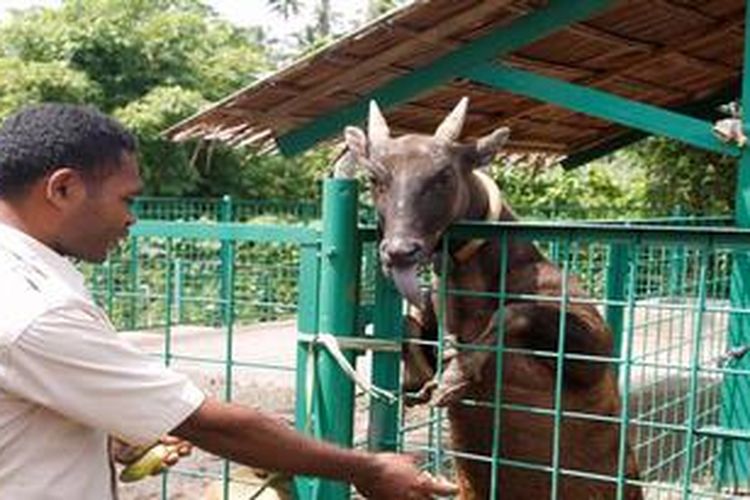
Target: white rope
[(331, 343)]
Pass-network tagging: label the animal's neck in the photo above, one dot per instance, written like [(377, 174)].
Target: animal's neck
[(477, 208)]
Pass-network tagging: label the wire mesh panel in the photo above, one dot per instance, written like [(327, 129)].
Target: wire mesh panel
[(220, 307), (551, 413)]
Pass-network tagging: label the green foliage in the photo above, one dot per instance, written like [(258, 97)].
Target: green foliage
[(606, 189), (699, 181), (26, 82), (150, 63), (165, 166), (255, 176)]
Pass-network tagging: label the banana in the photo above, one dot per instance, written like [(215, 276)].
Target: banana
[(149, 463)]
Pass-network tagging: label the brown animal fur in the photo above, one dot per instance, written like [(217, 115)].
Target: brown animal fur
[(588, 387), (421, 185)]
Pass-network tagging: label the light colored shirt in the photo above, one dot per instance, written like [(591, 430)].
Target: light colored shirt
[(67, 381)]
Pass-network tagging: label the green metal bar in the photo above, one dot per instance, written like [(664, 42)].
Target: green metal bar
[(167, 335), (724, 237), (227, 300), (603, 105), (559, 372), (386, 366), (734, 467), (307, 323), (695, 359), (704, 109), (502, 40), (337, 316), (230, 231), (225, 256), (617, 270), (499, 346), (626, 359)]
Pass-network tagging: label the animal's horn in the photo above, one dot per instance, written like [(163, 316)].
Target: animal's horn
[(450, 129), (377, 128)]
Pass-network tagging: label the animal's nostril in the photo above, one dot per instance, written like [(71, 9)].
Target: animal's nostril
[(401, 250)]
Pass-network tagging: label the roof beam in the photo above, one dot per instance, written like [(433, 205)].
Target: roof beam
[(502, 40), (600, 104), (705, 109)]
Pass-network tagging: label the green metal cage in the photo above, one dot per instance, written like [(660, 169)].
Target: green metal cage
[(239, 307), (680, 355)]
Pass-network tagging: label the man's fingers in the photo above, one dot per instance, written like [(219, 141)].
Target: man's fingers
[(171, 458), (184, 449), (170, 440), (436, 485)]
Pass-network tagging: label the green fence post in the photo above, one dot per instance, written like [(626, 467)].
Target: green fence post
[(226, 214), (677, 263), (307, 324), (337, 316), (734, 464), (383, 429), (617, 270)]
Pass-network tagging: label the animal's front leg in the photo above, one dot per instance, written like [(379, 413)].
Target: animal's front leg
[(462, 369)]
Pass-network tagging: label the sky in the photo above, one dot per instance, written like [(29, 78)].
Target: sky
[(240, 12)]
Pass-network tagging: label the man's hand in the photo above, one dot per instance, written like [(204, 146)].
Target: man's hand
[(141, 461), (396, 476), (178, 448)]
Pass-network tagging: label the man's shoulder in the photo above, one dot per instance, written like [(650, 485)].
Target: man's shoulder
[(26, 293)]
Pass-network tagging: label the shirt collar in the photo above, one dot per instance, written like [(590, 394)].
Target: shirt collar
[(36, 252)]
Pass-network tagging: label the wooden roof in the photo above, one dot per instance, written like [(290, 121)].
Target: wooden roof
[(669, 53)]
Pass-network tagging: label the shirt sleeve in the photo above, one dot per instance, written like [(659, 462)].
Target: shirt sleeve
[(71, 360)]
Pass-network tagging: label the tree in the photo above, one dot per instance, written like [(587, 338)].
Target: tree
[(24, 82), (699, 181), (151, 63)]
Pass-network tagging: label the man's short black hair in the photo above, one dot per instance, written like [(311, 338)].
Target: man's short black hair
[(41, 138)]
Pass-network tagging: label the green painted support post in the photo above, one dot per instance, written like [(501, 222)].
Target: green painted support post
[(388, 324), (340, 254), (226, 214), (617, 270), (734, 461), (307, 324)]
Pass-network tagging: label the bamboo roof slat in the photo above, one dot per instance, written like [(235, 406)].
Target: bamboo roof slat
[(661, 52)]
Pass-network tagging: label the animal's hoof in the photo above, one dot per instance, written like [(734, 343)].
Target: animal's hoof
[(422, 396), (456, 381), (449, 394)]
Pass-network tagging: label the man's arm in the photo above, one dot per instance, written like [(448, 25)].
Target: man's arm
[(257, 439)]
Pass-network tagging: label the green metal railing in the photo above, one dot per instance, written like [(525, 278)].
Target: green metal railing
[(670, 309), (664, 289)]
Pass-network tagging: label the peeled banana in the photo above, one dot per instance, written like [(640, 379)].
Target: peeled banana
[(149, 463)]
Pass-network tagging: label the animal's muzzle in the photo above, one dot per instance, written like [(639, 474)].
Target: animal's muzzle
[(401, 251)]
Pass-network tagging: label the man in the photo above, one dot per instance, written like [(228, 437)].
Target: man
[(68, 175)]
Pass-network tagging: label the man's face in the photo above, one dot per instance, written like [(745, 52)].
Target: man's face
[(101, 219)]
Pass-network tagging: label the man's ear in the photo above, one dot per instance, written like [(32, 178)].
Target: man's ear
[(356, 141), (488, 146), (64, 186)]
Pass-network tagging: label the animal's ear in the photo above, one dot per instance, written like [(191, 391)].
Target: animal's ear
[(356, 141), (488, 146)]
